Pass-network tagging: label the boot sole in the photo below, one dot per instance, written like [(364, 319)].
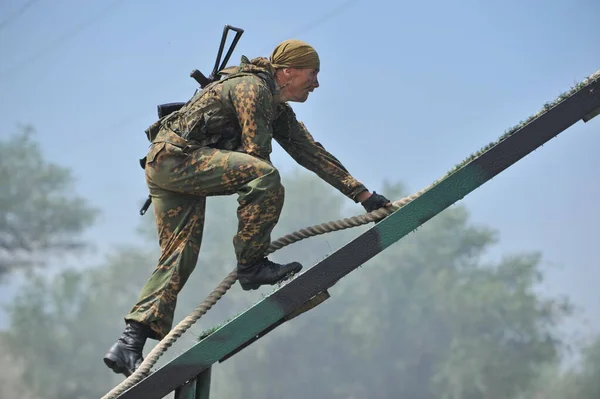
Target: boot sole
[(255, 286), (116, 365), (249, 287)]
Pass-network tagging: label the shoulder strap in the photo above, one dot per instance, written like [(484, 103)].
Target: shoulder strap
[(266, 77)]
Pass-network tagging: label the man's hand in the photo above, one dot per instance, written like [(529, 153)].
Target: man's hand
[(373, 201)]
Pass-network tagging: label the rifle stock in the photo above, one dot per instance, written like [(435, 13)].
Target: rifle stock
[(169, 108), (200, 78)]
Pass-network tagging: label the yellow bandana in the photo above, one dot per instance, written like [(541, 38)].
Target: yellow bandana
[(294, 54)]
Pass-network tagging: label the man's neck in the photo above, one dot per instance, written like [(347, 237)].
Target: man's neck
[(279, 95)]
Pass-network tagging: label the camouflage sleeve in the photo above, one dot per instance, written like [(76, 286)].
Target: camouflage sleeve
[(252, 103), (297, 141)]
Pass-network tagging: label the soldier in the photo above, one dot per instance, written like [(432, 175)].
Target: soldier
[(219, 143)]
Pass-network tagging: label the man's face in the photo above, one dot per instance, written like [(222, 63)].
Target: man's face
[(301, 82)]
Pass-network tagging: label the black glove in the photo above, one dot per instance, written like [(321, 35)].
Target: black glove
[(374, 202)]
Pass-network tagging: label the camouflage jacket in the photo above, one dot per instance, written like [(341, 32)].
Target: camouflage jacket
[(240, 113)]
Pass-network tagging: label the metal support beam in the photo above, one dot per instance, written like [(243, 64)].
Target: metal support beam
[(198, 388), (187, 391), (203, 384), (579, 103)]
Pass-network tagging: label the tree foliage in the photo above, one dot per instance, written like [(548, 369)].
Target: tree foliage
[(428, 318), (40, 215), (11, 377), (62, 325)]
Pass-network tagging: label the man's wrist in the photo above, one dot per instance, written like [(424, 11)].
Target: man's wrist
[(363, 196)]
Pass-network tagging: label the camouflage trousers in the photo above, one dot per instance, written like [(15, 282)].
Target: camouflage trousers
[(179, 180)]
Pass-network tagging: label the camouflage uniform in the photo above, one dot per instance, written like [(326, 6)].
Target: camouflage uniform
[(219, 143)]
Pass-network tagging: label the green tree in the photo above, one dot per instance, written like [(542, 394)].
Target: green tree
[(62, 324), (11, 385), (427, 318), (577, 382), (40, 216), (586, 378)]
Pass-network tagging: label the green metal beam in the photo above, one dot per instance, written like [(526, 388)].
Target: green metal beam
[(186, 391), (198, 388), (581, 102), (203, 384)]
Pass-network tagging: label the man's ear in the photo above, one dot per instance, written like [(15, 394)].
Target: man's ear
[(282, 72), (288, 72)]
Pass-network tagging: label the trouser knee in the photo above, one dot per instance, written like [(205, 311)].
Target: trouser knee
[(267, 187), (273, 183)]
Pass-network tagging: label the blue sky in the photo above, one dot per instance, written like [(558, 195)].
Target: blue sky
[(407, 91)]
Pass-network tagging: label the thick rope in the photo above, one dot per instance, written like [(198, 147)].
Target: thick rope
[(231, 278)]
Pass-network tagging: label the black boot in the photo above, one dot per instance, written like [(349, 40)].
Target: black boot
[(125, 356), (264, 271)]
